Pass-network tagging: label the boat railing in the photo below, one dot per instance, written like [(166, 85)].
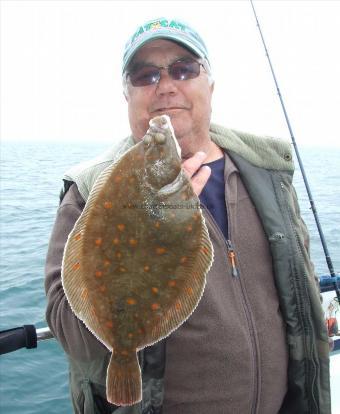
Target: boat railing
[(28, 336)]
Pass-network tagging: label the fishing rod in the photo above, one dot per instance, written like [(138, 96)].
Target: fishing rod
[(311, 201)]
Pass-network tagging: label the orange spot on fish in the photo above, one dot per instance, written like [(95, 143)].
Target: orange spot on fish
[(77, 237), (115, 241), (178, 305), (188, 228), (98, 273), (122, 269), (119, 255), (76, 266), (146, 268), (157, 224), (118, 179), (107, 262), (133, 242), (121, 227), (189, 291), (109, 324), (183, 259), (108, 204), (98, 242), (172, 283), (102, 288), (131, 301), (155, 306), (154, 290), (160, 250), (130, 335)]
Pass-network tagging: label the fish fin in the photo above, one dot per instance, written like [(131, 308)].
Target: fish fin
[(77, 279), (194, 272), (123, 382)]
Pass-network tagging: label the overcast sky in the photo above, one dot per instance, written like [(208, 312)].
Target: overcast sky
[(60, 66)]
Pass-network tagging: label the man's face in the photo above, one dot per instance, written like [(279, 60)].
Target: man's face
[(187, 102)]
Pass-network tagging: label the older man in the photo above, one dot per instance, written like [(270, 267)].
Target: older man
[(256, 342)]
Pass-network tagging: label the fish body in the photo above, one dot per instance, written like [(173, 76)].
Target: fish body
[(135, 263)]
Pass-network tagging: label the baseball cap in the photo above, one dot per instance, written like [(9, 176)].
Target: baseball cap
[(163, 28)]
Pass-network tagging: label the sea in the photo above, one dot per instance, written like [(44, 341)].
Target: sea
[(36, 381)]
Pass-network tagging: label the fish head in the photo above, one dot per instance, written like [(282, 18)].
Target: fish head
[(162, 159)]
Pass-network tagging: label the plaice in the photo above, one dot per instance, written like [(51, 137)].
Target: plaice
[(135, 263)]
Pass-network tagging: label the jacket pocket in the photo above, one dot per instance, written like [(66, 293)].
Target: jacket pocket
[(92, 400)]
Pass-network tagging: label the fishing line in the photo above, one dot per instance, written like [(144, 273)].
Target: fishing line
[(311, 201)]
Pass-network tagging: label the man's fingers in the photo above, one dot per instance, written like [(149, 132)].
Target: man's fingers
[(198, 175), (191, 165), (200, 179)]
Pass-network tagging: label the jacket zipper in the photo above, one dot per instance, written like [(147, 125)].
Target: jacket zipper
[(232, 258), (231, 254)]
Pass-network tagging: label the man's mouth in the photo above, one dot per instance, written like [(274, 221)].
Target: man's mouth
[(168, 109)]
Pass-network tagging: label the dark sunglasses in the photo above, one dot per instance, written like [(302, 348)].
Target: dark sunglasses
[(182, 69)]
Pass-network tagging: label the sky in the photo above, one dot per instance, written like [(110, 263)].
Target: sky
[(61, 66)]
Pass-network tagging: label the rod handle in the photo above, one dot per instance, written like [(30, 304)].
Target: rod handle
[(16, 338)]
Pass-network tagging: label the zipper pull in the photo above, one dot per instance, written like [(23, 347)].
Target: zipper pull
[(232, 258)]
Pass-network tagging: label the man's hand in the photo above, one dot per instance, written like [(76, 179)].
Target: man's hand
[(199, 176)]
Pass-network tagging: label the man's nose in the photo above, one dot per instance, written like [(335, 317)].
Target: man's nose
[(166, 85)]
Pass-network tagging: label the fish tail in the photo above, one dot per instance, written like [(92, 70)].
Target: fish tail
[(123, 382)]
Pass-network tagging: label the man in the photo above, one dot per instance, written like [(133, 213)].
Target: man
[(257, 342)]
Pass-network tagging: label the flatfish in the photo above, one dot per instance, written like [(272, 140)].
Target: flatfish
[(135, 263)]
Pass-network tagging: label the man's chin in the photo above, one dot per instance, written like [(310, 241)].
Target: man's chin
[(179, 121), (176, 115), (180, 126)]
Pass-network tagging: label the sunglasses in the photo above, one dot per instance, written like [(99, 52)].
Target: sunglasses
[(182, 69)]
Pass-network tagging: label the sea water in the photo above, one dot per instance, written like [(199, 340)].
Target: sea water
[(36, 381)]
